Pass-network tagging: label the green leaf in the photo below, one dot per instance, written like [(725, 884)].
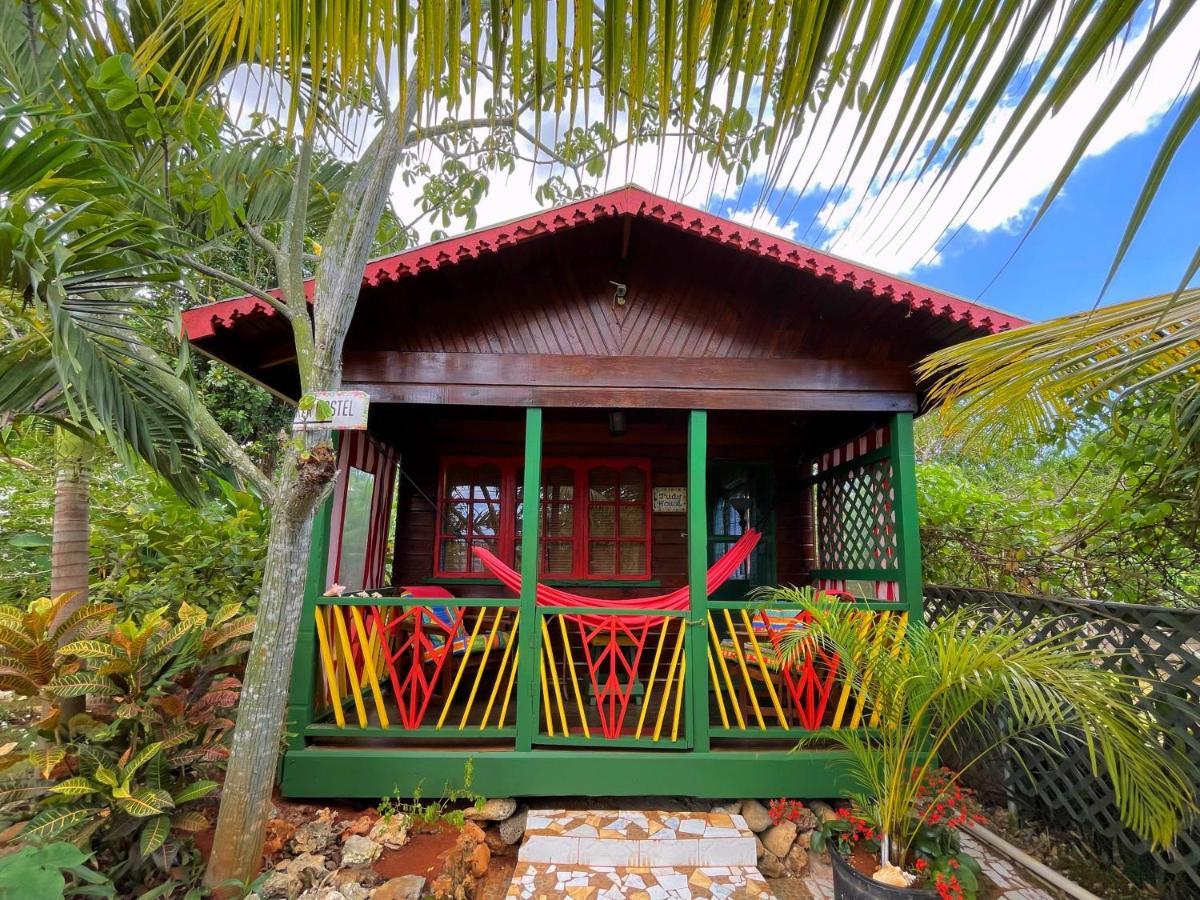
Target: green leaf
[(82, 684), (145, 802), (154, 834), (78, 786), (50, 823), (195, 791), (88, 649)]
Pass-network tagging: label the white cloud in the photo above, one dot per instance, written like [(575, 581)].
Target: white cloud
[(904, 227)]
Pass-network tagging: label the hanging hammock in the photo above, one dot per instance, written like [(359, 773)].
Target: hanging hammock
[(678, 599)]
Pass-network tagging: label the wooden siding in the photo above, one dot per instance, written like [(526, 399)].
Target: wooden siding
[(701, 326)]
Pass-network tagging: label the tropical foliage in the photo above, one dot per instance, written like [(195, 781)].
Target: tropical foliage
[(950, 680), (148, 546), (1089, 512), (132, 768)]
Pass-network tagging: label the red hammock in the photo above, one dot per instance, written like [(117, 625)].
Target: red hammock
[(720, 572)]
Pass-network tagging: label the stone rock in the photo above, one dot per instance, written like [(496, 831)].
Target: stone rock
[(481, 857), (312, 837), (756, 815), (292, 876), (359, 851), (361, 825), (392, 833), (323, 893), (406, 887), (495, 810), (893, 875), (778, 838), (803, 840), (471, 834), (728, 807), (822, 810), (806, 820), (355, 883), (496, 843), (279, 832), (796, 861), (512, 829), (309, 866), (759, 849), (282, 884), (772, 866)]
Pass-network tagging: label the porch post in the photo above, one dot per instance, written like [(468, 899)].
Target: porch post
[(697, 567), (904, 481), (301, 694), (527, 631)]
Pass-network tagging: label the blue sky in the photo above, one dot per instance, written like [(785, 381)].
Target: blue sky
[(1062, 264)]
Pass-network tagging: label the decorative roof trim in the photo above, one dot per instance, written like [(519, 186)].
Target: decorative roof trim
[(203, 322)]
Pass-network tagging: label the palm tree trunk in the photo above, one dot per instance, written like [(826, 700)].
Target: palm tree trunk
[(69, 564)]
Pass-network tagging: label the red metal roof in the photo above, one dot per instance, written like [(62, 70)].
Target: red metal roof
[(203, 321)]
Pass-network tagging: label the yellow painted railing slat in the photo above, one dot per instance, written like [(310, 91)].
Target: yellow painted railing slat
[(716, 651), (328, 665), (508, 649), (737, 649), (662, 637), (570, 660), (768, 678), (462, 664), (369, 664), (348, 661), (558, 697), (716, 684), (662, 707), (487, 651)]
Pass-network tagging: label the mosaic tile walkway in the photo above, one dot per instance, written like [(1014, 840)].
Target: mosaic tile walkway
[(592, 855)]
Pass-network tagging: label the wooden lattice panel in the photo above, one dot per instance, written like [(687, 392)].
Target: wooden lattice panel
[(1156, 644), (856, 518)]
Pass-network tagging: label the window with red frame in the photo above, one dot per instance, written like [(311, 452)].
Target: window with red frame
[(595, 517)]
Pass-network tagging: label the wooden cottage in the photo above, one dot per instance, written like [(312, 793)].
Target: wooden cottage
[(699, 408)]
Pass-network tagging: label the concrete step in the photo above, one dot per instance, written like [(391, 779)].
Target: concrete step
[(547, 881), (642, 855), (637, 838)]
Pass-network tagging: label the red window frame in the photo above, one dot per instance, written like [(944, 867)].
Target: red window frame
[(507, 534)]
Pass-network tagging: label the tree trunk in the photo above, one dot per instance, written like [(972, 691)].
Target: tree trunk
[(258, 736), (69, 563)]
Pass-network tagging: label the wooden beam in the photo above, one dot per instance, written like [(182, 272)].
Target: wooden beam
[(528, 637), (497, 379)]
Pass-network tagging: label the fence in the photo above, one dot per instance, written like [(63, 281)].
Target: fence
[(1160, 645)]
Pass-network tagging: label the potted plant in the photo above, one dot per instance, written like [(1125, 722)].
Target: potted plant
[(927, 688)]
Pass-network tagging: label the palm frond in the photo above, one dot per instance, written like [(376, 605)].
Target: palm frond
[(1028, 381)]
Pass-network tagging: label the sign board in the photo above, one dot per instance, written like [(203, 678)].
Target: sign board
[(670, 499), (347, 411)]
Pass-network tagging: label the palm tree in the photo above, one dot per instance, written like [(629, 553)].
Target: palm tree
[(938, 684)]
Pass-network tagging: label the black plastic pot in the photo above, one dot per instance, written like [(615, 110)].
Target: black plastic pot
[(851, 884)]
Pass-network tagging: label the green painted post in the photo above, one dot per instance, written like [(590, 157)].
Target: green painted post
[(904, 481), (697, 567), (304, 663), (527, 632)]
